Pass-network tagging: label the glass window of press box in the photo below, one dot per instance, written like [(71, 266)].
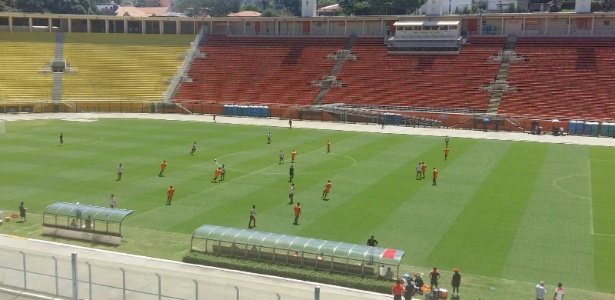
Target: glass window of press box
[(294, 250), (77, 216)]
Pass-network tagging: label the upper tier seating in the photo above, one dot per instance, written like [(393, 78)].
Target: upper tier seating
[(22, 54), (433, 81), (121, 66), (563, 78), (259, 69)]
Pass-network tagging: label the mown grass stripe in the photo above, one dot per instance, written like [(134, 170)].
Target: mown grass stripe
[(482, 236), (556, 221)]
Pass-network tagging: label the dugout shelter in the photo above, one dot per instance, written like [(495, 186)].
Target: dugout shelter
[(295, 250), (84, 222)]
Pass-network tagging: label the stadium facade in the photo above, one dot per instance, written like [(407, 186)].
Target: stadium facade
[(529, 24)]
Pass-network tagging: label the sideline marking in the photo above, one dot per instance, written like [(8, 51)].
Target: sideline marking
[(591, 205)]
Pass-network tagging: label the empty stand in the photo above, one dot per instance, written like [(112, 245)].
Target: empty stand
[(21, 56), (259, 69), (119, 66), (432, 81), (563, 78)]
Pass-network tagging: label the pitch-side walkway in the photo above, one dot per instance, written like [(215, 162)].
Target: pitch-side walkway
[(453, 133), (233, 276)]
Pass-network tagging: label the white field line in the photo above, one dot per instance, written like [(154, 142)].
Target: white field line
[(591, 205)]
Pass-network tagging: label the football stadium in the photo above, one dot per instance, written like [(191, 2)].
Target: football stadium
[(359, 150)]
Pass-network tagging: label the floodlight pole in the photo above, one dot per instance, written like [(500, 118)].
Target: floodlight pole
[(317, 293)]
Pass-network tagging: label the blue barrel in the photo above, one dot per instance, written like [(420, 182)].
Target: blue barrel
[(608, 129), (388, 118), (575, 127), (235, 110), (258, 111), (226, 110), (591, 129), (265, 112), (397, 119)]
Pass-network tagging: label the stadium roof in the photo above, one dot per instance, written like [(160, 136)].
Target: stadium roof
[(245, 13), (426, 23)]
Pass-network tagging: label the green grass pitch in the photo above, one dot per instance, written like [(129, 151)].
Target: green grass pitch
[(507, 214)]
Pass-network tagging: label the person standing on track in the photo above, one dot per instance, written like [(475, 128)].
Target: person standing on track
[(456, 281), (434, 276), (397, 289)]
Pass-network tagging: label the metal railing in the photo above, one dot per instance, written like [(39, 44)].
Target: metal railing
[(300, 33), (546, 33), (68, 277), (185, 67)]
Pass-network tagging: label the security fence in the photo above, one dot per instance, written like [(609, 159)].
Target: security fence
[(54, 275)]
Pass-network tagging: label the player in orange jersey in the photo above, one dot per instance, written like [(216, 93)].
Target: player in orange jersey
[(297, 213), (435, 175), (170, 193), (446, 150), (328, 146), (423, 169), (293, 155), (325, 192), (163, 165), (216, 174)]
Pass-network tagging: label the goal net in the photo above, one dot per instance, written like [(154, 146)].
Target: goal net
[(2, 127)]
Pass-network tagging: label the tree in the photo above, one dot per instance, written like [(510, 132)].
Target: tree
[(251, 6), (293, 6), (7, 5), (355, 7), (80, 7), (511, 8), (608, 5), (270, 12), (214, 8), (555, 5), (322, 3)]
